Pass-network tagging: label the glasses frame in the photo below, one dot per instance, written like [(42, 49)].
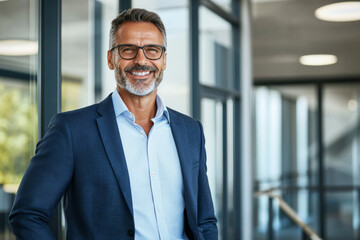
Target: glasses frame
[(137, 50)]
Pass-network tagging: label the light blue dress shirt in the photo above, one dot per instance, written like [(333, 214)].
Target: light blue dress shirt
[(155, 174)]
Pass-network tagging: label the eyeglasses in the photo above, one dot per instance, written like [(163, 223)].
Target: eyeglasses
[(130, 51)]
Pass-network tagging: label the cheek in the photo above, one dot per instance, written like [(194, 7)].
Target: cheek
[(121, 65), (162, 66)]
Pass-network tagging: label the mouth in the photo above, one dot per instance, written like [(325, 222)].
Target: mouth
[(142, 74)]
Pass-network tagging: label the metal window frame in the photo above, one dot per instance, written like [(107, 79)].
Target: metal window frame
[(49, 78), (200, 91), (124, 4), (98, 55)]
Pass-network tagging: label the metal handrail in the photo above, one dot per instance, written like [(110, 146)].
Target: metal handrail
[(336, 188), (290, 213)]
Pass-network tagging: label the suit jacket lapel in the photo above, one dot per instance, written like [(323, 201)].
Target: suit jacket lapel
[(181, 139), (112, 143)]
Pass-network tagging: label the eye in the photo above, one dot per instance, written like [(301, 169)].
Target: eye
[(127, 49), (153, 49)]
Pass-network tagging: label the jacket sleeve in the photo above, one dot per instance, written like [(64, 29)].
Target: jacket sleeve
[(206, 217), (44, 183)]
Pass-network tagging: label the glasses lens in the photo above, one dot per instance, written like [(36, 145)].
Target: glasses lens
[(153, 52), (127, 51)]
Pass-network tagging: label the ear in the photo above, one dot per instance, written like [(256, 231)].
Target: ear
[(110, 60)]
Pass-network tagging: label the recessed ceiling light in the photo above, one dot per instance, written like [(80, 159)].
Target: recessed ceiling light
[(339, 12), (18, 47), (352, 105), (318, 59)]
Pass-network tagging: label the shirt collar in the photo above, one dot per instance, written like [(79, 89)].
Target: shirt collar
[(161, 109), (120, 107)]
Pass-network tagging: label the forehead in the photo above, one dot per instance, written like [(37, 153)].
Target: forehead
[(138, 33)]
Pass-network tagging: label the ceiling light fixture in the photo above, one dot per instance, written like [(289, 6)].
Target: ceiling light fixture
[(318, 59), (352, 105), (18, 47), (339, 12)]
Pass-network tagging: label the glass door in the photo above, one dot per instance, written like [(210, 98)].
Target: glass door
[(18, 97)]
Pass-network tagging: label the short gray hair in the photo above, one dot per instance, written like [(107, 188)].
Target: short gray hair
[(136, 15)]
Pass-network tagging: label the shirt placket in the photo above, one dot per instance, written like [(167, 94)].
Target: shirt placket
[(155, 185)]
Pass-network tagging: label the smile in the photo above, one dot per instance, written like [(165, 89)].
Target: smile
[(139, 74)]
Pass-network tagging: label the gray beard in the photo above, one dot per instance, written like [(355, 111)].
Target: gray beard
[(140, 88)]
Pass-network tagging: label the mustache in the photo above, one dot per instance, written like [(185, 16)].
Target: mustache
[(138, 67)]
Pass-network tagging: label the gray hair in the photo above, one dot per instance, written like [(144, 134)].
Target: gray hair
[(136, 15)]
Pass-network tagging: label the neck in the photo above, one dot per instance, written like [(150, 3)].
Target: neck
[(142, 107)]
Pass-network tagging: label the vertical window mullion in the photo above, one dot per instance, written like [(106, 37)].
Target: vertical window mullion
[(225, 224), (49, 77), (237, 122), (321, 170), (124, 4), (194, 60)]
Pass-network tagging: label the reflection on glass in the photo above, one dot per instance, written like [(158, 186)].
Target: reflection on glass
[(18, 113), (342, 159), (286, 153), (212, 121), (216, 63), (342, 134)]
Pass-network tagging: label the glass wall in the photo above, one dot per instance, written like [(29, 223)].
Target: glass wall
[(18, 97), (85, 40), (212, 112), (342, 159), (286, 157), (216, 62)]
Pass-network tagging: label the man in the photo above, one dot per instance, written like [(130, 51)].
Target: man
[(128, 167)]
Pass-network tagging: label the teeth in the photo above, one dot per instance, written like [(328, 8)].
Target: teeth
[(140, 73)]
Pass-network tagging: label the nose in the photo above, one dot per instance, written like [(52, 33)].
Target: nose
[(140, 58)]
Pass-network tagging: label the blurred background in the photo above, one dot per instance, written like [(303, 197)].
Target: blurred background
[(276, 84)]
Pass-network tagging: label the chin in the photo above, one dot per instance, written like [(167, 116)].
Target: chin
[(139, 91)]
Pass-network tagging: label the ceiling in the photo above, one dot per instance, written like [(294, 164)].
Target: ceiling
[(284, 30)]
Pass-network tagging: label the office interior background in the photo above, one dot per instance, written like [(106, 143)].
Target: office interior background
[(277, 122)]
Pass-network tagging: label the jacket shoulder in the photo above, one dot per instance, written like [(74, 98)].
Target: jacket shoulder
[(192, 125), (187, 119), (89, 112)]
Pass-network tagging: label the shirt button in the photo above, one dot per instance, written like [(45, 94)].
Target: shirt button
[(153, 174), (131, 232)]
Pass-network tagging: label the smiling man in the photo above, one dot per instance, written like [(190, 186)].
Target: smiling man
[(128, 167)]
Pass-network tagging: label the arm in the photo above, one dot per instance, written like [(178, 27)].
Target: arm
[(207, 220), (45, 181)]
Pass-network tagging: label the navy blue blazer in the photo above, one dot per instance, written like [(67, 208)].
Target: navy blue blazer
[(82, 160)]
